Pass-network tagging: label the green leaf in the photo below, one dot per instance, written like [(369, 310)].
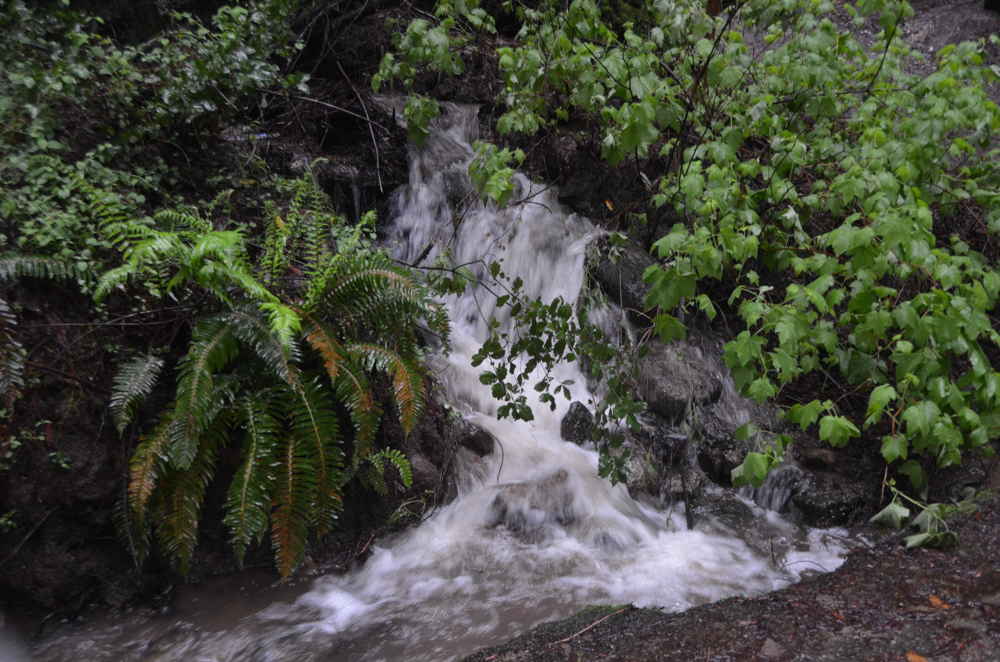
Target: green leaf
[(753, 471), (893, 515), (894, 447), (837, 430), (881, 396), (916, 474)]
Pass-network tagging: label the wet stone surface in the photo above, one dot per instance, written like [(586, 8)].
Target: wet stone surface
[(884, 603)]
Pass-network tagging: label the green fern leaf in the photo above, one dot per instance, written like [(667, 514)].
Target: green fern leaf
[(132, 384), (147, 466), (11, 359), (355, 391), (213, 345), (248, 504), (293, 505), (310, 418), (183, 494), (27, 266), (246, 323), (408, 384)]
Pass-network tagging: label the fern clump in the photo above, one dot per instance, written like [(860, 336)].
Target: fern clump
[(298, 327)]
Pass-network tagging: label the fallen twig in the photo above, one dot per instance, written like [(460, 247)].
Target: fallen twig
[(573, 636), (378, 167), (25, 538)]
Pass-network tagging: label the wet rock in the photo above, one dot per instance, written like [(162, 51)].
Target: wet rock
[(778, 488), (528, 508), (425, 475), (819, 458), (476, 439), (578, 424), (641, 476), (619, 273), (718, 458), (826, 499), (725, 508), (679, 484), (674, 375)]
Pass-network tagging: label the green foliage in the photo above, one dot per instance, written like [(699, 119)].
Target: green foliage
[(133, 383), (144, 100), (545, 334), (760, 462), (930, 521), (270, 363), (820, 162)]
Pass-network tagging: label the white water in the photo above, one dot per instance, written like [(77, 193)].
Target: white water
[(534, 534)]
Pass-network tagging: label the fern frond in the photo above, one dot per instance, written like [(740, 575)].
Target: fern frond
[(275, 260), (146, 467), (29, 266), (310, 417), (213, 345), (248, 504), (223, 196), (246, 323), (133, 382), (355, 391), (407, 381), (293, 507), (396, 458), (370, 289), (372, 476), (183, 494), (324, 340), (374, 470), (11, 359), (172, 220)]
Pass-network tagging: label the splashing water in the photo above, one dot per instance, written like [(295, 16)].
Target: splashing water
[(534, 534)]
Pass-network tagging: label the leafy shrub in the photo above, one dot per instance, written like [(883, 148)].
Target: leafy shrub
[(820, 179)]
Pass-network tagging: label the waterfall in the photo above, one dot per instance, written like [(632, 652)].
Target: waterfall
[(535, 534)]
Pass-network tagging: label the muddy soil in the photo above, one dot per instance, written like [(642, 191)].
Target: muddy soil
[(884, 603)]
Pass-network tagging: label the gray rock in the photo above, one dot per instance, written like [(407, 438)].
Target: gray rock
[(528, 508), (473, 437), (680, 481), (819, 458), (826, 499), (425, 475), (674, 375), (578, 424), (620, 277)]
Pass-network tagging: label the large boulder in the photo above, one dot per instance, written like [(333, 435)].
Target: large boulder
[(618, 271), (687, 385)]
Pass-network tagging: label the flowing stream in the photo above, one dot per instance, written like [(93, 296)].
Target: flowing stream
[(534, 534)]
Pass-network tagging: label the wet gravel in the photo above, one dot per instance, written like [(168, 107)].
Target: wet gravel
[(884, 603)]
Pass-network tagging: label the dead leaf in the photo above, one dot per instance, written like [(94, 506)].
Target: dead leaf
[(936, 601), (913, 657)]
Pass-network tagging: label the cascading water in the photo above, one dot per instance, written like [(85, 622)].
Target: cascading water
[(534, 534)]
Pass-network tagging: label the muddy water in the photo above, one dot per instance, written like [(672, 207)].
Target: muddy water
[(534, 534)]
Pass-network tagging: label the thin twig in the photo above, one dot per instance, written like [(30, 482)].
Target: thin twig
[(572, 636), (25, 538), (339, 109), (67, 376), (378, 167)]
